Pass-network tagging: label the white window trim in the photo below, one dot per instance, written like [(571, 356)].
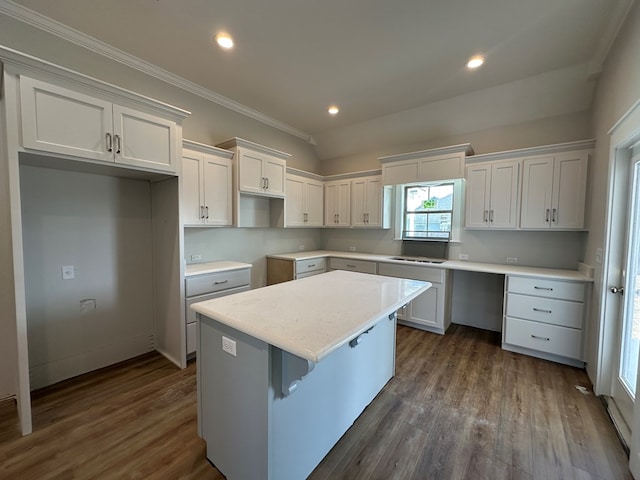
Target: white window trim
[(458, 208)]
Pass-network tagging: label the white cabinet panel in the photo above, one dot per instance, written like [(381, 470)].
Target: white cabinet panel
[(553, 191), (206, 186), (545, 310), (58, 120), (337, 206), (362, 266), (260, 174), (566, 342), (304, 202), (367, 202), (492, 195)]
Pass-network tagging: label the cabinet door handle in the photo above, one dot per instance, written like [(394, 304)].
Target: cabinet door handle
[(207, 209), (491, 216), (109, 142), (546, 218), (548, 289), (335, 218), (541, 310), (222, 282), (546, 339), (553, 215), (118, 143), (306, 217), (201, 211), (484, 216)]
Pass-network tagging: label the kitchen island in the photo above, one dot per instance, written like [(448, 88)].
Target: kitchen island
[(285, 370)]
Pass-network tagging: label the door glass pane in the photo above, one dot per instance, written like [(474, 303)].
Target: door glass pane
[(631, 334)]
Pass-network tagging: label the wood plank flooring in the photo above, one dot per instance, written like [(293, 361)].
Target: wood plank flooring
[(459, 407)]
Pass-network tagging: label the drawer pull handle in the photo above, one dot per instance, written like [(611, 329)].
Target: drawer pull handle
[(222, 282), (311, 265), (541, 310), (351, 266), (544, 288), (546, 339)]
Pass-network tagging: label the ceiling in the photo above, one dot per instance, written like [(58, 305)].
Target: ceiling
[(373, 58)]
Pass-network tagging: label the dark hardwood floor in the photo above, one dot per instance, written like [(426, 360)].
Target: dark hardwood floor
[(459, 407)]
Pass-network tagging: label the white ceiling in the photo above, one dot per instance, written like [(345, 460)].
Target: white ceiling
[(374, 58)]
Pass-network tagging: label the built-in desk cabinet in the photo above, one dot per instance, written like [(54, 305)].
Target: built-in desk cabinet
[(66, 122), (545, 318), (206, 185), (305, 201)]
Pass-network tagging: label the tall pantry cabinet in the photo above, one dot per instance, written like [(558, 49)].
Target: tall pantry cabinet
[(86, 132)]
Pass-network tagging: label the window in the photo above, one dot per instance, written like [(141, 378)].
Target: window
[(428, 212)]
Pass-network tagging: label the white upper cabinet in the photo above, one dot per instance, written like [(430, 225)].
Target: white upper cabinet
[(261, 170), (304, 202), (554, 190), (367, 202), (492, 195), (206, 185), (65, 122), (337, 203), (446, 163)]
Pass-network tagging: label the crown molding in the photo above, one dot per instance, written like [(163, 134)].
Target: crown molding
[(204, 148), (611, 30), (531, 151), (242, 143), (35, 19), (465, 148)]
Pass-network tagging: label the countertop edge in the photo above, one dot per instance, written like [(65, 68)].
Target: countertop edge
[(496, 268), (195, 269)]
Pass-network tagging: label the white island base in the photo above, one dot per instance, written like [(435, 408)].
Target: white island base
[(285, 370), (253, 430)]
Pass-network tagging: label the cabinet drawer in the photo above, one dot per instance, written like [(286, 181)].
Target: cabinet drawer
[(543, 337), (303, 266), (414, 272), (362, 266), (309, 274), (547, 310), (543, 287), (215, 282)]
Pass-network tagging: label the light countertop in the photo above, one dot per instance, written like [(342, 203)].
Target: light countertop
[(314, 316), (519, 270), (213, 267)]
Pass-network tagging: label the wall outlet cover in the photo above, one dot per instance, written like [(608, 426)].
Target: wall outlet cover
[(68, 272), (195, 258), (352, 249), (463, 256)]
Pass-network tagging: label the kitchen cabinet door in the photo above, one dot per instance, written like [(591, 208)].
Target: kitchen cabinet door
[(250, 177), (192, 204), (492, 195), (217, 174), (503, 200), (553, 191), (569, 190), (274, 172), (295, 203), (314, 203), (428, 308), (58, 120), (537, 185), (367, 202), (477, 195), (337, 203), (144, 140)]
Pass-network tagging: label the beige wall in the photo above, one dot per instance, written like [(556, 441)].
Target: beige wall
[(617, 90)]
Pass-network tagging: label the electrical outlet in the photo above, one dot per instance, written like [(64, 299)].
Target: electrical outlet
[(512, 260), (195, 258), (352, 249), (68, 272), (598, 255), (229, 346), (301, 247), (463, 256)]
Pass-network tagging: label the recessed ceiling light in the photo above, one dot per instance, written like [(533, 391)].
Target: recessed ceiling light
[(333, 110), (224, 40), (475, 62)]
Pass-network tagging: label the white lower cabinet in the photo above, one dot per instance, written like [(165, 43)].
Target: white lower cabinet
[(207, 286), (431, 310), (544, 318), (309, 268)]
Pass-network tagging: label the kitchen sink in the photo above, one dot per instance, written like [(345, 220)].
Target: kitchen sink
[(418, 260)]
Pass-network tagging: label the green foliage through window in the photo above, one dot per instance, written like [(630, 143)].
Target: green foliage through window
[(428, 212)]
